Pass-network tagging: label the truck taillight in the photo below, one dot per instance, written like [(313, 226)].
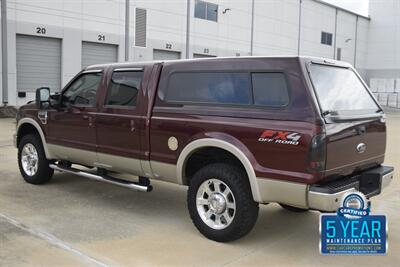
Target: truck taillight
[(317, 154)]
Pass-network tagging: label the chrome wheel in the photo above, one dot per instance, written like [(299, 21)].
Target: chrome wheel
[(215, 204), (29, 159)]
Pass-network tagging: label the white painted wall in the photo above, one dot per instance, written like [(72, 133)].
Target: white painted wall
[(362, 51), (228, 36), (276, 29), (384, 39), (346, 35), (166, 23), (276, 26), (315, 19)]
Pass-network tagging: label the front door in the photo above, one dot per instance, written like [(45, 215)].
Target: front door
[(72, 132), (120, 122)]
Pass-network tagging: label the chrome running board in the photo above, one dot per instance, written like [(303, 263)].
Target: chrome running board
[(103, 178)]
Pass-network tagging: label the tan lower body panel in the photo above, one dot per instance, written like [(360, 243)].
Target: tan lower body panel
[(80, 156), (153, 169), (164, 171), (119, 164), (293, 194), (90, 158)]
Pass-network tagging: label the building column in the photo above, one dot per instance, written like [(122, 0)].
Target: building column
[(355, 43), (188, 29), (127, 9), (299, 35), (252, 29), (334, 43), (4, 56)]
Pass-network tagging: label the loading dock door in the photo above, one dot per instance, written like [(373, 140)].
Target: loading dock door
[(202, 56), (159, 54), (38, 63), (95, 53)]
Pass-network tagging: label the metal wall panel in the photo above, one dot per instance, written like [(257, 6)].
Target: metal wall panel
[(165, 55), (95, 53), (38, 63)]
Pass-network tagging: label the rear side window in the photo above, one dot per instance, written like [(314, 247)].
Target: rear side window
[(270, 89), (224, 88), (261, 89), (123, 88)]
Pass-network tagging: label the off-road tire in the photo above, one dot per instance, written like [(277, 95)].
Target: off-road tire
[(44, 173), (246, 208), (293, 209)]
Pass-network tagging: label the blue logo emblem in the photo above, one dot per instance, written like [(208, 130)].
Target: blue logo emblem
[(354, 206), (353, 230)]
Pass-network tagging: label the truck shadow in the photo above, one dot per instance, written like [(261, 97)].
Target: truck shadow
[(166, 207)]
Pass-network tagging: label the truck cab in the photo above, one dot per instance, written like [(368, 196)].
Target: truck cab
[(239, 132)]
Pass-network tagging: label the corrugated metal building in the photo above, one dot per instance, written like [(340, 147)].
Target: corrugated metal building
[(49, 41)]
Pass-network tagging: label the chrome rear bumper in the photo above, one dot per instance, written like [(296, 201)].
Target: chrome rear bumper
[(328, 196)]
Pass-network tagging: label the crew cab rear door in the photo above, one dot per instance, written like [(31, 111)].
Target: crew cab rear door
[(354, 122), (120, 121)]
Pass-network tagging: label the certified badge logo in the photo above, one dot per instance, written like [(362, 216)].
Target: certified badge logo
[(355, 206), (353, 230)]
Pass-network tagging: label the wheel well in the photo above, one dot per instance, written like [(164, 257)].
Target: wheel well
[(208, 155), (25, 129)]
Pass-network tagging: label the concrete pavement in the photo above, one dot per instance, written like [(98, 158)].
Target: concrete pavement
[(76, 222)]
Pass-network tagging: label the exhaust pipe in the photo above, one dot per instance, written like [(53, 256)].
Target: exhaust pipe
[(104, 178)]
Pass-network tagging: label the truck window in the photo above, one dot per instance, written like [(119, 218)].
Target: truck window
[(340, 90), (260, 89), (204, 87), (270, 89), (123, 88), (83, 90)]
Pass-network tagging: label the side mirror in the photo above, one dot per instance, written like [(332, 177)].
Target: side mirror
[(43, 97), (55, 100)]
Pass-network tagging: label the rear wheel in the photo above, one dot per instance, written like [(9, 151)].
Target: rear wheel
[(293, 209), (220, 202), (32, 161)]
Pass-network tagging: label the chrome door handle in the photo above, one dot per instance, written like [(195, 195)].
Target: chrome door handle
[(90, 121), (89, 118)]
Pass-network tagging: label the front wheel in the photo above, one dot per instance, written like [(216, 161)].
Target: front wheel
[(32, 160), (220, 202)]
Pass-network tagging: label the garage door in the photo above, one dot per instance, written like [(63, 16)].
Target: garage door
[(201, 56), (38, 63), (95, 53), (165, 55)]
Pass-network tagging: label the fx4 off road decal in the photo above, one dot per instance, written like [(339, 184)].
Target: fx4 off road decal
[(280, 137)]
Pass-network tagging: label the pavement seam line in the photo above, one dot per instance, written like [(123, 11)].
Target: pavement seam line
[(52, 240)]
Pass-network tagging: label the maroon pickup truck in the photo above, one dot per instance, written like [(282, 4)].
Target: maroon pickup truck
[(239, 132)]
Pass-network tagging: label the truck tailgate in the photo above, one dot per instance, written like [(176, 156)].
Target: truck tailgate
[(354, 146)]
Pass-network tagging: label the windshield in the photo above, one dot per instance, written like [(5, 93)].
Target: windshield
[(340, 90)]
